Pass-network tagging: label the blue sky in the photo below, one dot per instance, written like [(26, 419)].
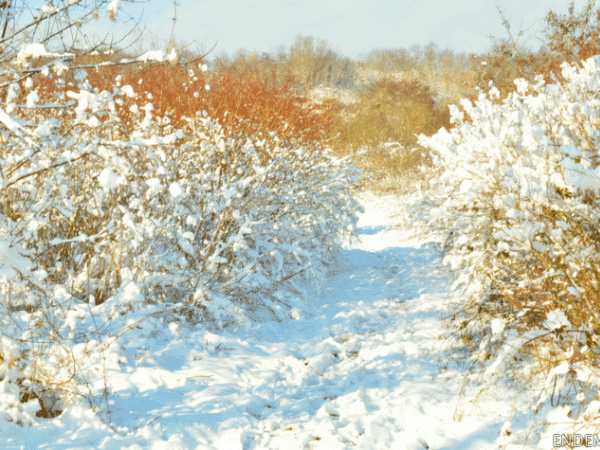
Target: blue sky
[(351, 27)]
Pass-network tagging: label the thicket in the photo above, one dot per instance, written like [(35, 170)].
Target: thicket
[(149, 192), (571, 37), (310, 61), (373, 108), (384, 123), (450, 76), (516, 199), (244, 101)]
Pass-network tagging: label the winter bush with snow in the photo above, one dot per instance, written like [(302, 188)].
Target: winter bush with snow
[(518, 201), (107, 221)]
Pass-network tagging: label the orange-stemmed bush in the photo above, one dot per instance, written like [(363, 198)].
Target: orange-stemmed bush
[(244, 101)]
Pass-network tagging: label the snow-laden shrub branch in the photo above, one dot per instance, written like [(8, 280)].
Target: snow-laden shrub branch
[(518, 201)]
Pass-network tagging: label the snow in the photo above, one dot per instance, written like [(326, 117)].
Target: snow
[(32, 99), (109, 180), (113, 6), (128, 90), (152, 55), (176, 190), (8, 121), (364, 365), (172, 57), (498, 326), (12, 261), (556, 320), (30, 51)]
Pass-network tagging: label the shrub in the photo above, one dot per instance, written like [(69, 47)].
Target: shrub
[(385, 122), (574, 36), (110, 212), (314, 63), (449, 76), (518, 191), (570, 37), (242, 100), (310, 61), (248, 102)]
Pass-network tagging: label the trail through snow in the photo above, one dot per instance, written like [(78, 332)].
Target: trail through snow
[(362, 367)]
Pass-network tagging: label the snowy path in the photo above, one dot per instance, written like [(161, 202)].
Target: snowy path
[(363, 368)]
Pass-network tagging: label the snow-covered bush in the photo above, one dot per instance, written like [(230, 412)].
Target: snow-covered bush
[(103, 218), (518, 201)]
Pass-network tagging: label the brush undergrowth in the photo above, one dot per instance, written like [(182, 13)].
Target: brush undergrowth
[(116, 210), (518, 203), (383, 125)]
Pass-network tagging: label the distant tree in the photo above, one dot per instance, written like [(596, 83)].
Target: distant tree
[(389, 60), (313, 62)]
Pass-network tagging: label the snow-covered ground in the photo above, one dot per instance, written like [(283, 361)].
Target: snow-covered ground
[(362, 366)]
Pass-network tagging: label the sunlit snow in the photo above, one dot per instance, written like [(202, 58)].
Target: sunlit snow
[(361, 366)]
